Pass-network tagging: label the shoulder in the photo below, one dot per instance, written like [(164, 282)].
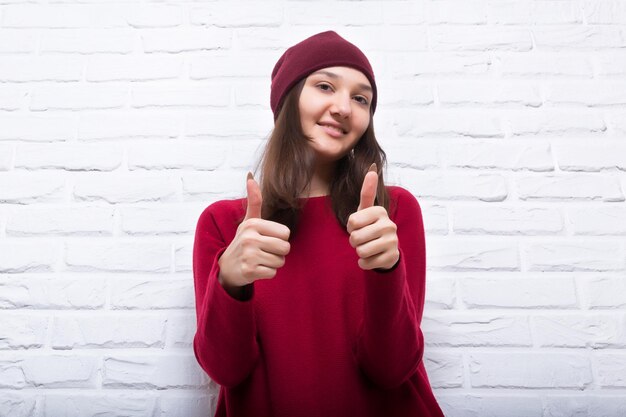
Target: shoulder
[(223, 213), (402, 200)]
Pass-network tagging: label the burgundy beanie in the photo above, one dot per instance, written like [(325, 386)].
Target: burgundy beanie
[(326, 49)]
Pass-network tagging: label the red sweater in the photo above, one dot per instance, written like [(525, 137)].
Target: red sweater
[(323, 337)]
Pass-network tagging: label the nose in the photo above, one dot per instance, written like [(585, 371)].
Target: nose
[(341, 105)]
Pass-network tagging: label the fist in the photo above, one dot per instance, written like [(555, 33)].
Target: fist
[(258, 248), (372, 233)]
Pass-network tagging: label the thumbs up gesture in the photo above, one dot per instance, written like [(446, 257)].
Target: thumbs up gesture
[(372, 233), (258, 248)]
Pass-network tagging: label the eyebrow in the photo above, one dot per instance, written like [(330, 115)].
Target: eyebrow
[(335, 76)]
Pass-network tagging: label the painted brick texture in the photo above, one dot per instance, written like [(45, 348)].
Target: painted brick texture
[(121, 121)]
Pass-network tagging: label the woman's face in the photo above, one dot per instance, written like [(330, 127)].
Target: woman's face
[(335, 110)]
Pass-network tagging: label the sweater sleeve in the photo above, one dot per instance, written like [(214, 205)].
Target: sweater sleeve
[(390, 343), (225, 341)]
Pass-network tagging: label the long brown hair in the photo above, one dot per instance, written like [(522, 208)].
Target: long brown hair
[(287, 168)]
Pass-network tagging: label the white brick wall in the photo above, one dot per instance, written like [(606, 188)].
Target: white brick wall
[(121, 121)]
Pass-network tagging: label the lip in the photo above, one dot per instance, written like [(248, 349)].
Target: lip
[(330, 130)]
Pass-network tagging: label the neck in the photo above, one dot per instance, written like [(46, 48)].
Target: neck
[(320, 182)]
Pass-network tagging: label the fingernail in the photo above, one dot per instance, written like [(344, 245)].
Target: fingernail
[(373, 167), (250, 176)]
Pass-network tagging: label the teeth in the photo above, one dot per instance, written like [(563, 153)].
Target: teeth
[(334, 128)]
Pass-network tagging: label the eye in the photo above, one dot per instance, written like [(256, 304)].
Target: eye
[(329, 88), (361, 100)]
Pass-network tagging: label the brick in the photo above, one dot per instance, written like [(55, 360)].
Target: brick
[(405, 13), (133, 68), (59, 371), (250, 64), (446, 123), (479, 38), (580, 330), (176, 94), (604, 12), (228, 124), (64, 16), (441, 292), (36, 128), (597, 220), (225, 15), (450, 12), (605, 292), (591, 157), (550, 123), (435, 219), (601, 404), (508, 12), (25, 188), (165, 219), (189, 405), (527, 292), (153, 371), (92, 156), (577, 36), (88, 41), (445, 369), (12, 97), (512, 155), (453, 186), (122, 125), (569, 187), (125, 188), (78, 97), (23, 331), (41, 68), (6, 157), (506, 220), (586, 93), (491, 405), (183, 253), (529, 370), (413, 154), (574, 255), (438, 64), (60, 220), (17, 41), (610, 63), (18, 405), (146, 293), (611, 369), (180, 330), (214, 185), (182, 39), (195, 155), (476, 329), (555, 12), (400, 93), (108, 331), (333, 13), (58, 292), (490, 92), (547, 63), (459, 254), (116, 256), (127, 404), (18, 256)]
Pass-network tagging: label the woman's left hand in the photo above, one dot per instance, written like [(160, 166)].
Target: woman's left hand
[(372, 233)]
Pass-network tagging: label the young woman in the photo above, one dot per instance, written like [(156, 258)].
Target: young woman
[(310, 291)]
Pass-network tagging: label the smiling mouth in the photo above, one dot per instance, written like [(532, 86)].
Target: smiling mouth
[(336, 129)]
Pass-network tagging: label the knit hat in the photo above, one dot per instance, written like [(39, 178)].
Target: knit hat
[(325, 49)]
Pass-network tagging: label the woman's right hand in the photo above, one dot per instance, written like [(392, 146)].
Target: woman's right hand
[(258, 248)]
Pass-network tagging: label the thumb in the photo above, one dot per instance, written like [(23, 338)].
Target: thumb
[(255, 198), (369, 188)]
